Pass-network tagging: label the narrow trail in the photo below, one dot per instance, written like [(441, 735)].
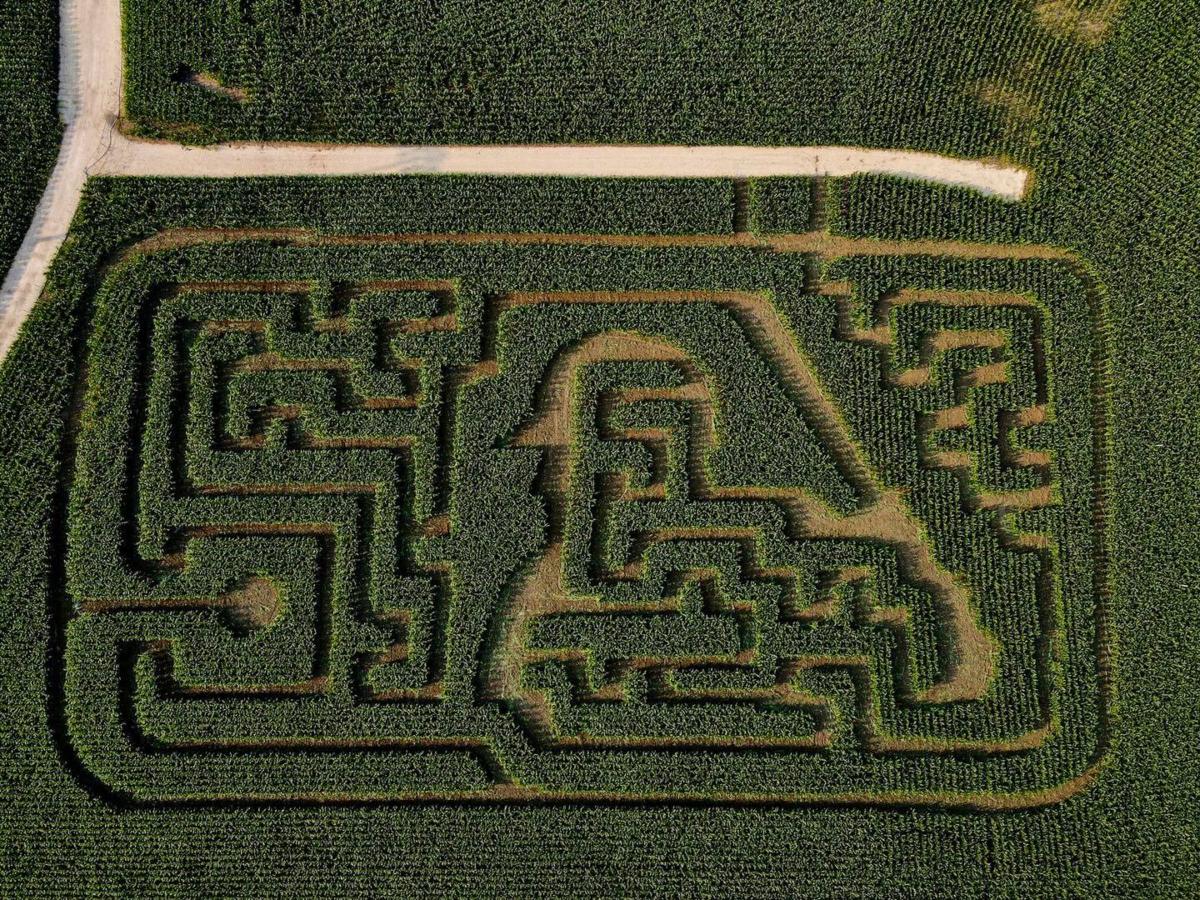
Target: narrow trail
[(90, 103)]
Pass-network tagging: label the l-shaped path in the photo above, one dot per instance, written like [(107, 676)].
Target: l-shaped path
[(90, 103)]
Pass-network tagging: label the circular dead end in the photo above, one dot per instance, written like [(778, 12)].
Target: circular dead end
[(255, 605)]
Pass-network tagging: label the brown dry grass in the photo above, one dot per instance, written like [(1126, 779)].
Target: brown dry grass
[(1085, 21), (212, 84)]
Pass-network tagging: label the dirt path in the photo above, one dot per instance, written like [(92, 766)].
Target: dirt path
[(885, 516), (90, 102), (635, 161)]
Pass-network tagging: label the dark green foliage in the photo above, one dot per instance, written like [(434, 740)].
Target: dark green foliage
[(446, 205), (29, 126), (1117, 184), (875, 205), (646, 71), (784, 205)]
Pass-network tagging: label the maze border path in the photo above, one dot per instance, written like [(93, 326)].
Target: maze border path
[(815, 242)]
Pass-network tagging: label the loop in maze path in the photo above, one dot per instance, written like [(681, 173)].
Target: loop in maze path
[(494, 518)]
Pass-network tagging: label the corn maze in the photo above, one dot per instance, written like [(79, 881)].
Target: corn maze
[(586, 518), (630, 534)]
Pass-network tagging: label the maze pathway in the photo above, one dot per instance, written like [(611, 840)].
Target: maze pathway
[(507, 517)]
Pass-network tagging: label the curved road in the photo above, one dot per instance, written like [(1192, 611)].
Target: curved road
[(90, 103)]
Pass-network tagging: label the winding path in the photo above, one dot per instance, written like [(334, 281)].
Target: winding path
[(90, 103)]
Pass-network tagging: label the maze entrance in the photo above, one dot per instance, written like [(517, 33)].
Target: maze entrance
[(574, 518)]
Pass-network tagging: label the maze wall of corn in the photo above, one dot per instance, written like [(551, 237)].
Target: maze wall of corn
[(725, 517), (758, 537)]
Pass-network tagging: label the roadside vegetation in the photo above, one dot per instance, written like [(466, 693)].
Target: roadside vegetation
[(29, 126)]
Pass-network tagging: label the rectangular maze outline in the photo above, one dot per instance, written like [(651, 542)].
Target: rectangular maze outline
[(827, 248)]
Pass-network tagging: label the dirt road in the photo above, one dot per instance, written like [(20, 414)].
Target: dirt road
[(90, 102)]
